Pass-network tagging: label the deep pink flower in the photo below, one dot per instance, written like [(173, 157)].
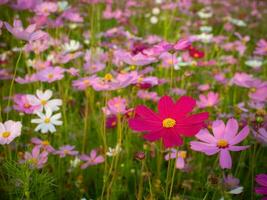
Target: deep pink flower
[(22, 104), (261, 179), (170, 123), (92, 159), (224, 140)]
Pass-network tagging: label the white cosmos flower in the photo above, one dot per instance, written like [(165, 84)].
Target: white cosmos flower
[(73, 45), (43, 100), (254, 63), (47, 122)]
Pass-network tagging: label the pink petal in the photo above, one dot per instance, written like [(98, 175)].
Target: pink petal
[(218, 128), (262, 179), (189, 130), (261, 190), (225, 159), (241, 136), (153, 136), (204, 147), (171, 139), (205, 136), (179, 163), (230, 129)]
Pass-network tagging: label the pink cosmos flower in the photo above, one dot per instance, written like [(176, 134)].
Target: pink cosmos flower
[(9, 131), (28, 34), (92, 159), (224, 140), (45, 8), (50, 74), (26, 4), (42, 144), (83, 83), (66, 150), (117, 106), (170, 123), (146, 95), (261, 179), (22, 104), (261, 48), (261, 135), (36, 158), (210, 100), (179, 157), (27, 79)]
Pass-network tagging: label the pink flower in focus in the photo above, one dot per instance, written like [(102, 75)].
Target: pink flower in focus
[(223, 140), (92, 159)]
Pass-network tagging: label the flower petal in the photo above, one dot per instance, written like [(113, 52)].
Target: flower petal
[(225, 159), (166, 107), (218, 128), (230, 129), (241, 136)]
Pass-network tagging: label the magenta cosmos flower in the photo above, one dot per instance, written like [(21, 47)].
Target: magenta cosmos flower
[(170, 123), (261, 179), (224, 140)]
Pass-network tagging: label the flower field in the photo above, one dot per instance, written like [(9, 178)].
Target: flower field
[(133, 99)]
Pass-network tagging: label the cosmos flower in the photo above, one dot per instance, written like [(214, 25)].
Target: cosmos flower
[(261, 135), (42, 144), (223, 140), (261, 179), (22, 104), (179, 157), (210, 100), (50, 74), (9, 131), (47, 122), (83, 83), (170, 123), (261, 48), (36, 158), (117, 106), (43, 100), (92, 159), (66, 150), (28, 34)]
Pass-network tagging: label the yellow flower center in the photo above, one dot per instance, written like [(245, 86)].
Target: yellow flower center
[(45, 142), (168, 123), (26, 105), (50, 76), (43, 102), (253, 90), (6, 134), (222, 143), (108, 77), (47, 120), (182, 154), (66, 151)]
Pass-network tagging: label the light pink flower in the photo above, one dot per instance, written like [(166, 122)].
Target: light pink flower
[(92, 159), (223, 140), (9, 131), (211, 99)]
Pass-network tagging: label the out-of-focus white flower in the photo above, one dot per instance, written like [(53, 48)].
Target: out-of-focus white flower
[(254, 63), (62, 5), (47, 122), (155, 11), (204, 37), (114, 151), (71, 46), (206, 29), (205, 13), (237, 22), (154, 20), (74, 163)]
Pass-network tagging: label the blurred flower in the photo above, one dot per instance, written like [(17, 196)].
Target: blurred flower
[(23, 104), (261, 48), (179, 157), (261, 135), (42, 144), (210, 100), (114, 151), (9, 130), (261, 179), (224, 140), (35, 159), (172, 121), (92, 159), (66, 150)]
